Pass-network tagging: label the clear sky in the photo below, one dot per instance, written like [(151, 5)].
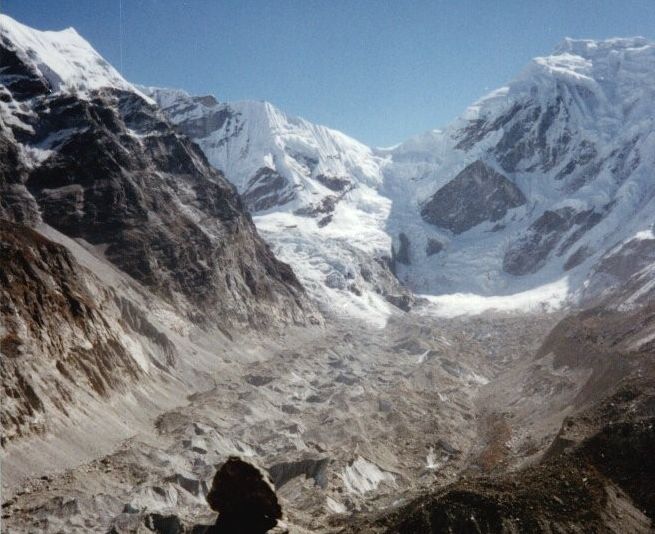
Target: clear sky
[(379, 70)]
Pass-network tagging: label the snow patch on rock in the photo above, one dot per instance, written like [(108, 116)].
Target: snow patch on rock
[(363, 476)]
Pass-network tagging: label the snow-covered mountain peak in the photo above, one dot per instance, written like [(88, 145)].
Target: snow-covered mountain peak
[(251, 141), (603, 60), (603, 77), (306, 150), (314, 192), (60, 60), (607, 74), (592, 48), (565, 149)]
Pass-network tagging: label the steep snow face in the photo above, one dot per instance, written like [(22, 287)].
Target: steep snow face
[(573, 133), (313, 191), (62, 60)]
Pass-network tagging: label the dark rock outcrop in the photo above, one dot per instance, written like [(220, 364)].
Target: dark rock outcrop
[(403, 302), (267, 189), (476, 194), (19, 77), (402, 255), (527, 136), (531, 250), (478, 129), (527, 142), (16, 204), (325, 206), (624, 271), (335, 183), (215, 116), (309, 467), (578, 257), (433, 246)]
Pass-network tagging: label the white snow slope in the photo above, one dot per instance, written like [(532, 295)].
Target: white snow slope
[(327, 248)]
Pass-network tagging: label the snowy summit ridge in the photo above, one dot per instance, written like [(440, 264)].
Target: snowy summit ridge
[(64, 59), (242, 138)]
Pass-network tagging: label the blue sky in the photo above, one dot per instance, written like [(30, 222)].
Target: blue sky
[(380, 71)]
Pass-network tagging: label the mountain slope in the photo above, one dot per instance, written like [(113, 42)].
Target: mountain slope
[(103, 165), (52, 306), (117, 241)]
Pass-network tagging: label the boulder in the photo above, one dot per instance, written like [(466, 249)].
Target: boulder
[(244, 498)]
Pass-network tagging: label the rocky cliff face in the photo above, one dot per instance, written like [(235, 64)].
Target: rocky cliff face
[(623, 278), (106, 167), (60, 334)]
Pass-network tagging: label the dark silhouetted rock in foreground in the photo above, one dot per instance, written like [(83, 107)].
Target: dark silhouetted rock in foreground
[(244, 498)]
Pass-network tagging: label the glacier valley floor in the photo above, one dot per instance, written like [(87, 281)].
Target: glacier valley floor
[(345, 417)]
